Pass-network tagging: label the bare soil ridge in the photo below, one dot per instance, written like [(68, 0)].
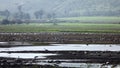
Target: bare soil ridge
[(61, 37)]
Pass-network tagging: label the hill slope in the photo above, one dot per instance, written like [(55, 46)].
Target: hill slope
[(66, 7)]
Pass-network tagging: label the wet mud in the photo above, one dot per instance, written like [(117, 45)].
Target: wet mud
[(63, 37), (103, 57)]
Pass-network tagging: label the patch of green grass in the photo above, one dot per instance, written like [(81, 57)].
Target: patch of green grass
[(62, 27), (93, 19), (1, 18)]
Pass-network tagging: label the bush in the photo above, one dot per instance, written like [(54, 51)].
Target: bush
[(5, 22)]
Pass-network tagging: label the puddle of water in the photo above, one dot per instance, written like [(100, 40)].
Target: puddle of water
[(14, 43), (61, 47), (25, 55), (86, 65), (80, 65), (3, 43), (67, 47)]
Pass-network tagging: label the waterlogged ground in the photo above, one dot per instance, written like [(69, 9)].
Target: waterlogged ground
[(68, 55), (67, 47)]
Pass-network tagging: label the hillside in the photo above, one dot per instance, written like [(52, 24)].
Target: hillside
[(64, 8)]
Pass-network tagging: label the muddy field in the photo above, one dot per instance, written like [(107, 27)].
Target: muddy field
[(73, 57), (85, 38), (82, 56), (61, 56), (85, 50)]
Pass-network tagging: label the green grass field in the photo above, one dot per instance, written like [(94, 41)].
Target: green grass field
[(93, 25), (1, 18), (62, 27), (91, 18), (94, 19)]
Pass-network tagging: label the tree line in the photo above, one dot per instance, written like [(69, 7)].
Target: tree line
[(24, 17)]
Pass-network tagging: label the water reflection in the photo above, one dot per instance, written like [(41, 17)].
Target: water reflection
[(67, 47), (25, 55), (43, 61)]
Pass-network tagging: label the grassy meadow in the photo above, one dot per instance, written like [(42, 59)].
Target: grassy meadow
[(89, 27), (62, 27), (91, 18), (94, 19)]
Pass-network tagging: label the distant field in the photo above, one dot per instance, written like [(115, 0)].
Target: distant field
[(93, 19), (1, 18), (62, 27)]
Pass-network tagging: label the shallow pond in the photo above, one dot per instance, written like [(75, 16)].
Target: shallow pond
[(60, 47), (67, 47)]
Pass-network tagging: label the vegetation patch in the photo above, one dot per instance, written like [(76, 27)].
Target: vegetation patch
[(62, 27)]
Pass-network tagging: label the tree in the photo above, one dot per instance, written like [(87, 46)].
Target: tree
[(5, 13), (5, 22), (51, 15), (39, 14), (20, 13), (26, 16), (21, 17)]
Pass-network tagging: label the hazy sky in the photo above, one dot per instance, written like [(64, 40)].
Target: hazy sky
[(63, 6)]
